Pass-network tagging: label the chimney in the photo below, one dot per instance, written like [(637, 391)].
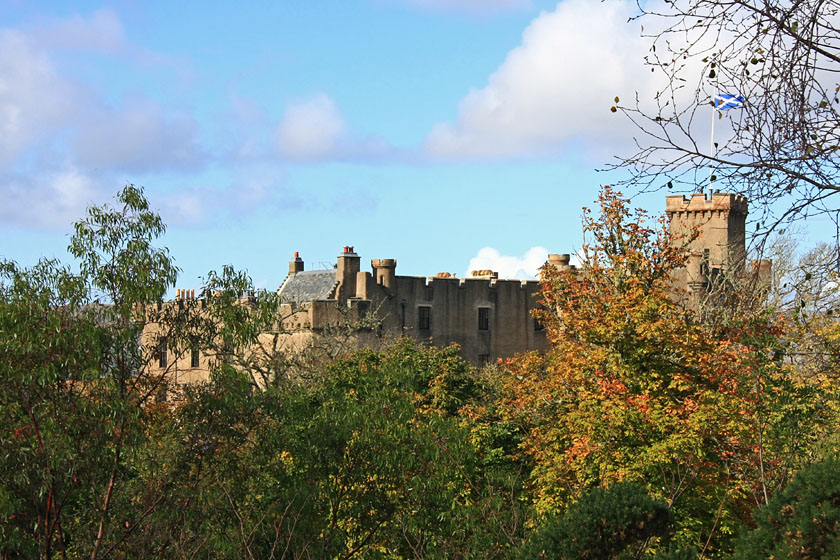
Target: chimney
[(296, 264), (349, 264)]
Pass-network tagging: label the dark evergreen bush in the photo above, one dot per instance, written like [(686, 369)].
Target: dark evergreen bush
[(604, 523), (802, 521)]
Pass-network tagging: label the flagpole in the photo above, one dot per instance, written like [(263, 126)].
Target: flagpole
[(712, 150)]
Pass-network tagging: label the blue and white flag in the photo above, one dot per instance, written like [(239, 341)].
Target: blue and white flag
[(724, 101)]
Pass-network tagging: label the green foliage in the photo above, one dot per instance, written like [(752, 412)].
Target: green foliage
[(73, 390), (362, 460), (402, 453), (802, 521), (616, 522)]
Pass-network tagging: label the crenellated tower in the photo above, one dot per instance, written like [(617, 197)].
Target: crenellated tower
[(721, 242)]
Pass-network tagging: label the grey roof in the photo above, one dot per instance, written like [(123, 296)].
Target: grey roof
[(307, 286)]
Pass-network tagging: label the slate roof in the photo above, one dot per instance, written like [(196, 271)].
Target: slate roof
[(307, 286)]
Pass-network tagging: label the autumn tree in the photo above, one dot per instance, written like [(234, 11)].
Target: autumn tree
[(634, 388)]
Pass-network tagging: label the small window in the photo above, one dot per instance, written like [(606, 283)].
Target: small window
[(484, 318), (194, 356), (162, 354), (483, 359), (424, 317), (538, 326)]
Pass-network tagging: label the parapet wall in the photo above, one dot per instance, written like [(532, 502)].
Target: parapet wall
[(699, 202)]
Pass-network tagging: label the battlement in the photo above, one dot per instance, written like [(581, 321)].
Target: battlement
[(699, 202)]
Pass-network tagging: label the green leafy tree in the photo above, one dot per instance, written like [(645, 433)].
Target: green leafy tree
[(366, 458), (77, 394)]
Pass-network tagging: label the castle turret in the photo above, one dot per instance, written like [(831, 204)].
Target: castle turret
[(349, 264), (721, 242), (561, 261), (296, 264), (385, 272)]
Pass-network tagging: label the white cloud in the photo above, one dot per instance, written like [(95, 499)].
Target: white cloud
[(51, 200), (40, 108), (60, 143), (253, 190), (311, 130), (314, 130), (102, 31), (525, 267), (137, 137), (554, 91), (34, 99)]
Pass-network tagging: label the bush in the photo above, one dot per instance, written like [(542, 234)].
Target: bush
[(802, 521), (604, 523)]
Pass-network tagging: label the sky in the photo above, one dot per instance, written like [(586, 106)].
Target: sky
[(449, 134)]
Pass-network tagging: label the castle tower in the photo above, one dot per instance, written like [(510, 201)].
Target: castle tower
[(349, 264), (721, 243), (384, 272), (561, 261)]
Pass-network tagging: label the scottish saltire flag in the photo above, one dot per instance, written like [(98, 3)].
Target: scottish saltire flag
[(725, 101)]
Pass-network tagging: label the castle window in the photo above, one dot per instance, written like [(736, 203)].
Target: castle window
[(162, 354), (484, 318), (483, 359), (424, 317), (538, 326), (194, 356)]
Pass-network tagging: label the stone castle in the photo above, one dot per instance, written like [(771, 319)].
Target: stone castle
[(487, 316)]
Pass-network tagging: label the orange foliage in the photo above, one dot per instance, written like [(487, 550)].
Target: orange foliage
[(633, 387)]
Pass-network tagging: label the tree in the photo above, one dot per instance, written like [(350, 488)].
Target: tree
[(781, 148), (364, 459), (802, 521), (604, 524), (75, 387), (635, 388)]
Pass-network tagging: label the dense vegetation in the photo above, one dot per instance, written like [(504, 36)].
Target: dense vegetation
[(644, 432)]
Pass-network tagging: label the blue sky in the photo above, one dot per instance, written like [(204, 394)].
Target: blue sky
[(448, 134)]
